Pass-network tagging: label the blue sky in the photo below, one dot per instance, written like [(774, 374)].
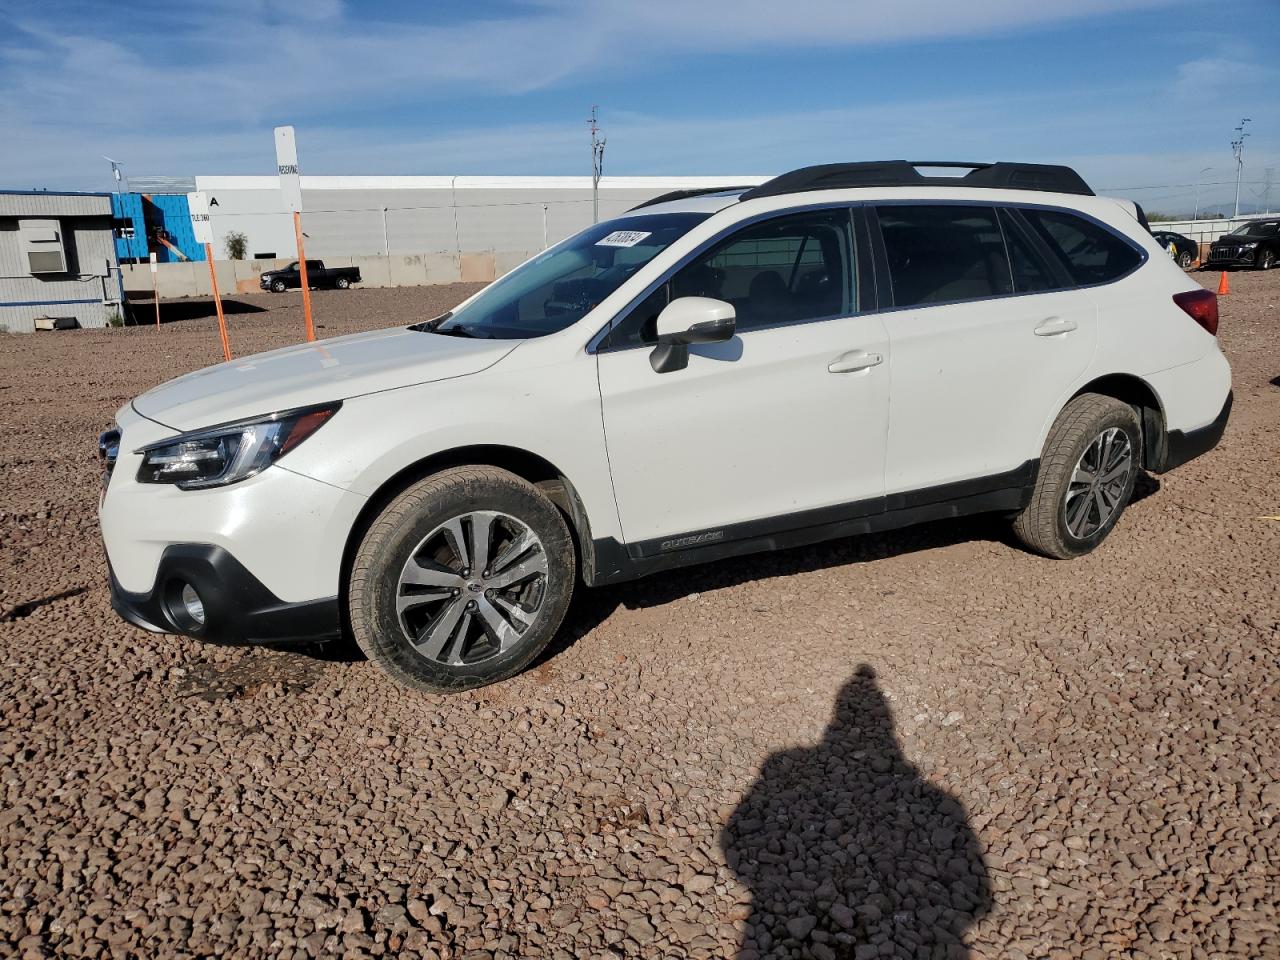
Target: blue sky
[(1134, 93)]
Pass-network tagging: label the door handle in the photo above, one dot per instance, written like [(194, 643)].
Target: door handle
[(853, 361), (1054, 327)]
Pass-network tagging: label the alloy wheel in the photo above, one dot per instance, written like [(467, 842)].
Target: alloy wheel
[(472, 587), (1098, 482)]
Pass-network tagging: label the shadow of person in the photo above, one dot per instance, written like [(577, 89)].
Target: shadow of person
[(849, 853)]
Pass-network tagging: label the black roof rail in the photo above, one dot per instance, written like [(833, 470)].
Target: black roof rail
[(905, 173), (685, 194)]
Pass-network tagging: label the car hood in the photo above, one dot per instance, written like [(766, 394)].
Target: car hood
[(311, 373)]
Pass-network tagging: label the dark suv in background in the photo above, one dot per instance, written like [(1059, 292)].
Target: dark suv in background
[(1253, 244)]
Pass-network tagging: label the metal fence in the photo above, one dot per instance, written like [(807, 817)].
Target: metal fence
[(1203, 232)]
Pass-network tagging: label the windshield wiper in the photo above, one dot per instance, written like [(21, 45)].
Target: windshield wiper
[(429, 326), (458, 331)]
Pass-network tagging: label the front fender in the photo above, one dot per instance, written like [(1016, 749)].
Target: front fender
[(553, 414)]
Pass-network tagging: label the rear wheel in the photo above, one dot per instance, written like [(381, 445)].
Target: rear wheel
[(1185, 259), (342, 283), (462, 580), (1087, 472)]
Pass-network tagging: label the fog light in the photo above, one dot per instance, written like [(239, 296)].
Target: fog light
[(192, 604)]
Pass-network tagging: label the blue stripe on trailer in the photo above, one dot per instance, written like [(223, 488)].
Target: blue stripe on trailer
[(45, 303)]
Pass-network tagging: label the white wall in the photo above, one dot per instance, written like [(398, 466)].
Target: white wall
[(177, 280), (1202, 231), (344, 216)]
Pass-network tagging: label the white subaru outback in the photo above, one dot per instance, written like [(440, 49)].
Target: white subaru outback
[(845, 348)]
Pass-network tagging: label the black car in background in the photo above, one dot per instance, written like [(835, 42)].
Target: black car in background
[(318, 275), (1184, 252), (1253, 244)]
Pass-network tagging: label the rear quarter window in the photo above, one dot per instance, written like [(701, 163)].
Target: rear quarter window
[(1091, 253)]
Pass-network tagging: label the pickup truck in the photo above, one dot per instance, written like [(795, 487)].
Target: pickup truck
[(318, 275)]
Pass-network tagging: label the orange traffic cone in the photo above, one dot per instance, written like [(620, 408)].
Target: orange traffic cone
[(1223, 287)]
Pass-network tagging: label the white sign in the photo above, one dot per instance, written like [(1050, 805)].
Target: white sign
[(198, 204), (621, 238), (287, 167), (153, 263)]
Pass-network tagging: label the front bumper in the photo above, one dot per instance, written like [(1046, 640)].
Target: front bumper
[(238, 608), (1219, 258)]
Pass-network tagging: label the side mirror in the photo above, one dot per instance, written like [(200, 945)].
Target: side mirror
[(690, 320)]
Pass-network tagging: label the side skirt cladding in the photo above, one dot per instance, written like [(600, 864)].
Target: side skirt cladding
[(1002, 493)]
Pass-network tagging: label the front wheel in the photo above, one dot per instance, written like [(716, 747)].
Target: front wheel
[(1185, 259), (1087, 471), (1266, 258), (462, 580), (279, 286)]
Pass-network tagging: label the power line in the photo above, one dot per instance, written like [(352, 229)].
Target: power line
[(1172, 186)]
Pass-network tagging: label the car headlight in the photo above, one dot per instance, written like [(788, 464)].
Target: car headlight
[(217, 456), (1249, 246)]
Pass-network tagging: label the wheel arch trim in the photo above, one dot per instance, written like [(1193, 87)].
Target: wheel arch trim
[(529, 466), (1139, 394)]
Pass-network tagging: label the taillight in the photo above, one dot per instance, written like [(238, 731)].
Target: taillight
[(1201, 306)]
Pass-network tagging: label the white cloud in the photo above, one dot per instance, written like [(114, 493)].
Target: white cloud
[(195, 88), (1209, 77), (229, 60)]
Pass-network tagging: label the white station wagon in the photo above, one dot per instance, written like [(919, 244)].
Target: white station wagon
[(845, 348)]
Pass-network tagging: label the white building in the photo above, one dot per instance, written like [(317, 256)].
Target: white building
[(380, 216)]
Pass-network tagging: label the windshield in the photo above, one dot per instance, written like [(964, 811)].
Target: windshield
[(1257, 230), (558, 288)]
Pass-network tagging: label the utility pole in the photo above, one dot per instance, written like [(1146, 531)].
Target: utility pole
[(1237, 148), (597, 163), (1200, 176), (1268, 183)]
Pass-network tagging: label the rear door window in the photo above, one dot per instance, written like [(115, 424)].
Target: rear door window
[(1091, 252), (944, 253), (1030, 272)]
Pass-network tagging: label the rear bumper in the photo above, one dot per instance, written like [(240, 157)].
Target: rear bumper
[(1184, 445), (237, 607)]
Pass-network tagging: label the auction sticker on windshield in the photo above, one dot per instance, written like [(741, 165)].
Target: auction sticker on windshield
[(622, 238)]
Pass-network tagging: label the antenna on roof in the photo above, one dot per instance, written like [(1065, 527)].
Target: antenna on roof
[(115, 172), (597, 163)]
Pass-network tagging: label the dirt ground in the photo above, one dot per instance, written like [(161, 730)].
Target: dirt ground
[(928, 742)]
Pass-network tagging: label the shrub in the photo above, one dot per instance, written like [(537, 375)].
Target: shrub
[(237, 245)]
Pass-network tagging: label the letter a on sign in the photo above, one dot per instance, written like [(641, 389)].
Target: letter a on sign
[(287, 166)]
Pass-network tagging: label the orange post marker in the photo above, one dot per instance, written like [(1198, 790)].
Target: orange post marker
[(302, 275), (217, 303), (1223, 286)]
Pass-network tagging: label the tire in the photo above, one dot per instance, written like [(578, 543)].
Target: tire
[(409, 556), (1266, 258), (1051, 523), (1185, 259), (342, 283), (279, 286)]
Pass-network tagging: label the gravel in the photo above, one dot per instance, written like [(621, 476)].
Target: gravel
[(914, 744)]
